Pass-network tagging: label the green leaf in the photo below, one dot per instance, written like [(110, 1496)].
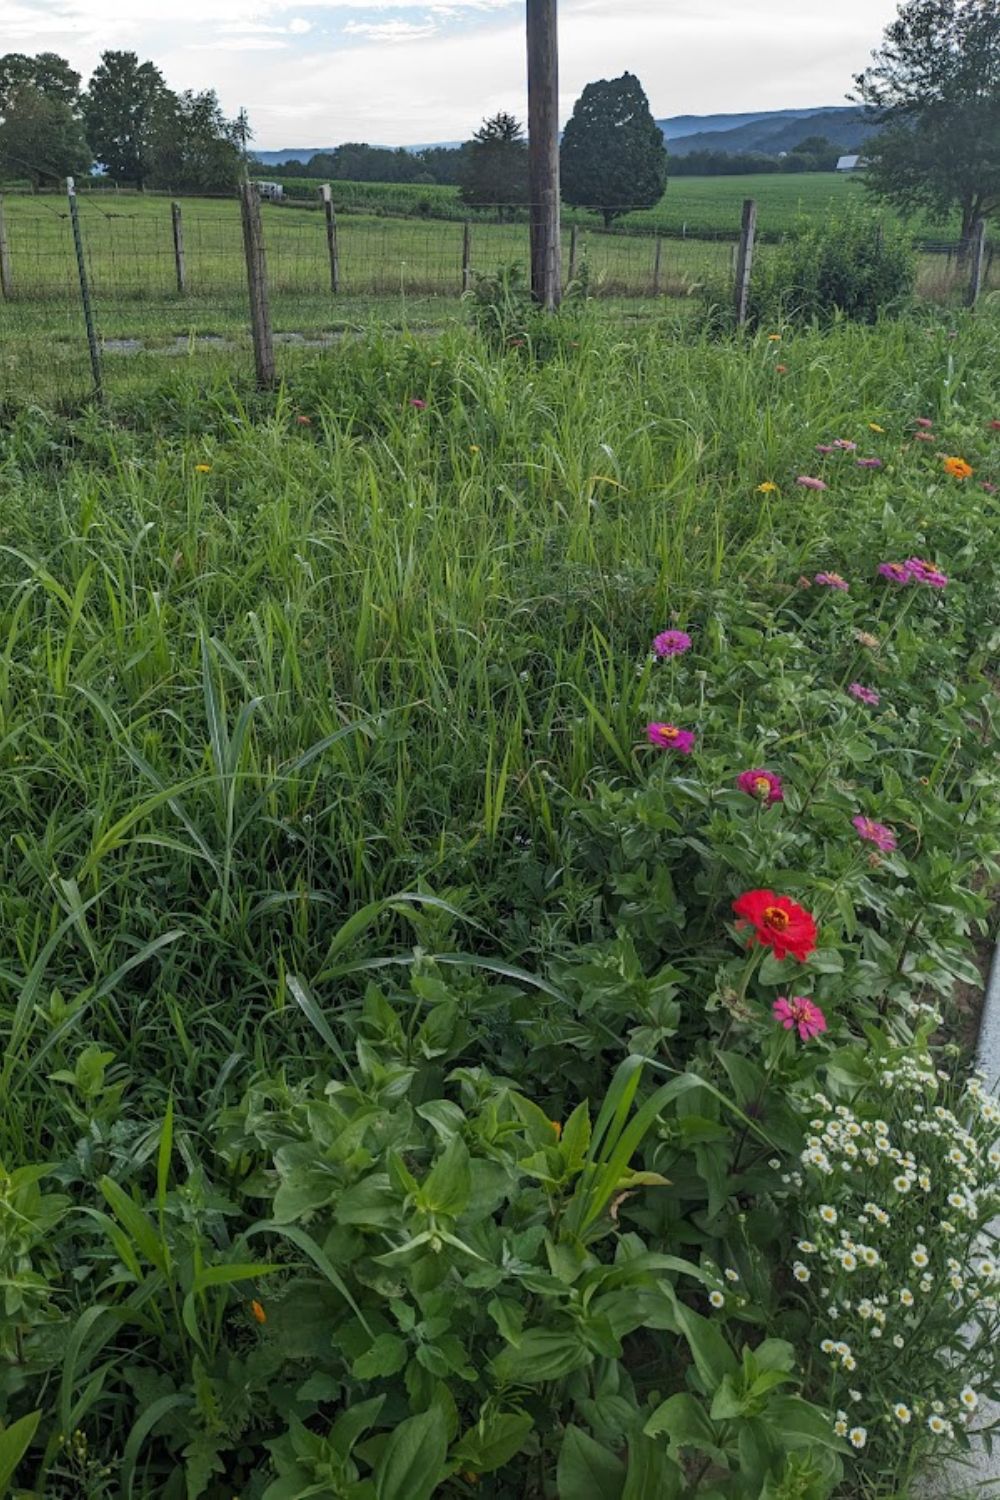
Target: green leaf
[(136, 1223), (387, 1356), (543, 1354), (493, 1443), (310, 1248), (224, 1275), (446, 1188), (141, 1430), (652, 1475), (586, 1470), (684, 1421), (14, 1444), (412, 1463)]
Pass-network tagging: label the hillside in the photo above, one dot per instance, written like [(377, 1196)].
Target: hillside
[(770, 131)]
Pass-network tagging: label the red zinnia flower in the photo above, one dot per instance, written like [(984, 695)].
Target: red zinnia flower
[(778, 923)]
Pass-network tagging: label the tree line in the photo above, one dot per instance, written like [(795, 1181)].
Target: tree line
[(127, 119)]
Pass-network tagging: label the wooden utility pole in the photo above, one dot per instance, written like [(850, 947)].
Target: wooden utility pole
[(543, 151), (744, 260)]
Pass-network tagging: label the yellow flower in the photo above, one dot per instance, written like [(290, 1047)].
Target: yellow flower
[(258, 1311), (557, 1127), (473, 447), (774, 338), (874, 427), (203, 468), (958, 468), (767, 488)]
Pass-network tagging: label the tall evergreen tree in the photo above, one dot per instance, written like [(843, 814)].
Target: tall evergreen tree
[(613, 154), (494, 169)]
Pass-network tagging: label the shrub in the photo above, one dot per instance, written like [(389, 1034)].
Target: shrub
[(853, 267)]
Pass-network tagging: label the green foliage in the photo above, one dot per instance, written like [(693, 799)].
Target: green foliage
[(389, 1104), (495, 166), (193, 147), (120, 108), (855, 267), (935, 84), (41, 138), (613, 155), (46, 72)]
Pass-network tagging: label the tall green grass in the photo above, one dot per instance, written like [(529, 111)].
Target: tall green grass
[(373, 654)]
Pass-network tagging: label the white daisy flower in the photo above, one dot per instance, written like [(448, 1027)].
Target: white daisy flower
[(968, 1398), (717, 1299), (857, 1437), (902, 1412)]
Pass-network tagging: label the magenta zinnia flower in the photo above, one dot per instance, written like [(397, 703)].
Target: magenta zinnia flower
[(800, 1012), (896, 572), (926, 572), (669, 737), (418, 403), (824, 448), (763, 786), (864, 694), (672, 643), (845, 445), (875, 833), (869, 463), (832, 581), (809, 483)]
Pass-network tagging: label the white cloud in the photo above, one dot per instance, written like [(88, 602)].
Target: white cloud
[(390, 31), (314, 72)]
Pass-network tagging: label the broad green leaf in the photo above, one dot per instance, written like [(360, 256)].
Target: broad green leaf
[(412, 1463), (136, 1223), (586, 1470), (15, 1441), (387, 1356), (492, 1443)]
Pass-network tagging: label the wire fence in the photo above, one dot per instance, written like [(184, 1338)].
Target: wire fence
[(168, 279)]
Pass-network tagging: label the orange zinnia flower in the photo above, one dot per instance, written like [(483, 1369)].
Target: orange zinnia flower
[(258, 1311), (958, 468)]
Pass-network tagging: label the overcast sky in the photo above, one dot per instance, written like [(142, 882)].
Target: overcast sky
[(318, 72)]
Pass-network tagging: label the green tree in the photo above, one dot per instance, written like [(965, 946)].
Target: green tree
[(613, 153), (494, 171), (50, 74), (193, 147), (41, 138), (119, 109), (934, 84)]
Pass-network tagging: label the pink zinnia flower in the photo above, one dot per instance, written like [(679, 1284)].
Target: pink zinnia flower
[(990, 489), (869, 463), (925, 437), (845, 445), (669, 737), (800, 1013), (864, 694), (896, 572), (418, 403), (875, 833), (672, 643), (809, 483), (994, 426), (824, 448), (926, 572), (763, 786), (924, 421), (832, 581)]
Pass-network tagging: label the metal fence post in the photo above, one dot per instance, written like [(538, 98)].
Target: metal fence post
[(572, 252), (260, 312), (657, 264), (332, 245), (179, 262), (977, 251), (744, 260), (88, 311), (6, 280)]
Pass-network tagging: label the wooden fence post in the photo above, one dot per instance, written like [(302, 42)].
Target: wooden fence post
[(332, 245), (6, 280), (179, 264), (977, 251), (466, 256), (744, 260), (543, 152), (657, 264), (260, 312), (572, 252)]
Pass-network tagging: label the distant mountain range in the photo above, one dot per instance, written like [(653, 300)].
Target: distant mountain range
[(769, 131)]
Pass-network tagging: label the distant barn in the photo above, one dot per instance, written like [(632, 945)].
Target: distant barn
[(848, 163), (272, 191)]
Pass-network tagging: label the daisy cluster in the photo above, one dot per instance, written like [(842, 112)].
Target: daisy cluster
[(895, 1252)]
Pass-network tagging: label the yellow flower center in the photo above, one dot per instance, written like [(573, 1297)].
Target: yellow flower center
[(776, 918)]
